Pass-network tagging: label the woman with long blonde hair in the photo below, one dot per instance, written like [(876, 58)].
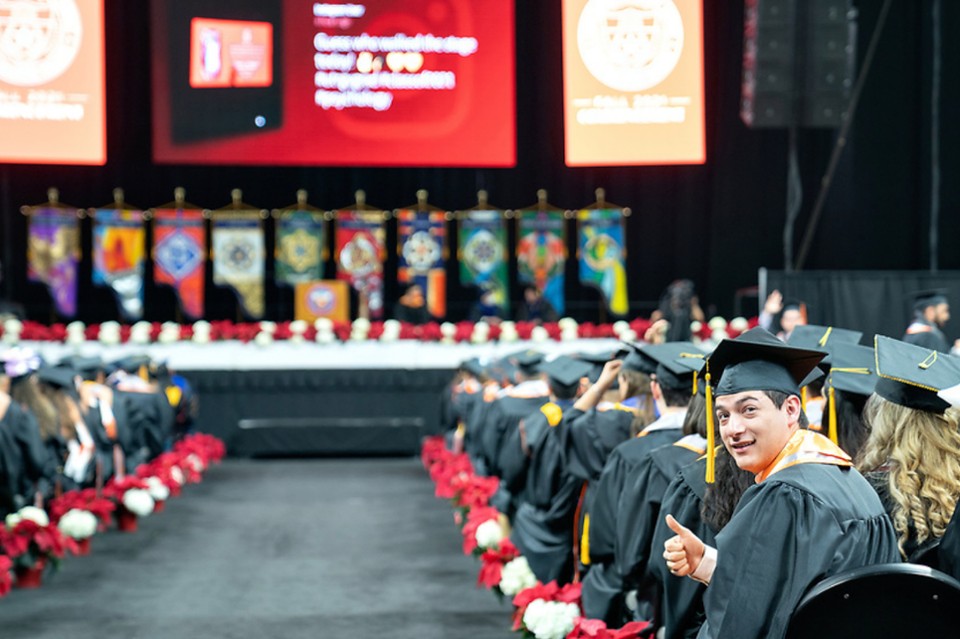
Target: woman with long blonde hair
[(912, 455)]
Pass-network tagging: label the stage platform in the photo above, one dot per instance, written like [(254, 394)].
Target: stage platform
[(300, 399)]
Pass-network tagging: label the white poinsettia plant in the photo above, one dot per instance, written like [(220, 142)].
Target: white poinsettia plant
[(138, 501), (31, 513), (516, 576), (489, 534), (550, 619), (157, 489), (78, 524)]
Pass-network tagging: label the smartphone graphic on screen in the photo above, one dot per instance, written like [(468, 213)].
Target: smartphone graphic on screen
[(224, 66)]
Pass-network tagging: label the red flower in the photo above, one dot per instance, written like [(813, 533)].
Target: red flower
[(492, 562), (28, 536), (474, 491), (86, 499), (6, 578), (432, 449), (524, 598), (475, 517)]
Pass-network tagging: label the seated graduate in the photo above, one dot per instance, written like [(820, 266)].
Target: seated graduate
[(823, 338), (465, 391), (140, 405), (911, 456), (638, 509), (704, 509), (850, 382), (411, 308), (810, 515), (474, 414), (32, 422), (603, 583), (544, 521), (60, 386)]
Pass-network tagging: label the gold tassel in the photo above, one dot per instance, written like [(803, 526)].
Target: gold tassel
[(832, 397), (711, 439), (695, 382), (803, 399)]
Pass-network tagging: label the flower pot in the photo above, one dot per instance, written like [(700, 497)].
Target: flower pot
[(32, 577), (158, 506), (126, 520), (83, 546)]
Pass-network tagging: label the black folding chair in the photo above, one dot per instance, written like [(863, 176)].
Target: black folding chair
[(886, 600)]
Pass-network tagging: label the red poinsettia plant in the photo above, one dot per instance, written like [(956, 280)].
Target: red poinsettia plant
[(473, 491), (492, 562), (445, 470), (6, 575), (87, 499), (32, 545), (584, 628), (472, 522), (432, 450)]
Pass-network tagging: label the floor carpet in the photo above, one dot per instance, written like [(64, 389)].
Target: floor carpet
[(351, 548)]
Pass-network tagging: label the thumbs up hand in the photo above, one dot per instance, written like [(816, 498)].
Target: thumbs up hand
[(683, 551)]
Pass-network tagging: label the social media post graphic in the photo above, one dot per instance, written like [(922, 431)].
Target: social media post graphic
[(633, 82), (52, 100), (295, 82)]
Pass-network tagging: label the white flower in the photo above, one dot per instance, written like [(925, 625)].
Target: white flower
[(362, 324), (629, 335), (169, 335), (109, 333), (388, 336), (31, 513), (696, 326), (508, 332), (539, 334), (739, 324), (550, 619), (717, 323), (719, 335), (78, 524), (567, 322), (298, 327), (263, 338), (392, 326), (201, 332), (76, 327), (11, 331), (196, 462), (140, 333), (620, 326), (569, 333), (138, 501), (158, 490), (325, 337), (323, 324), (268, 327), (516, 576), (481, 333), (358, 335), (489, 534), (177, 475), (448, 330)]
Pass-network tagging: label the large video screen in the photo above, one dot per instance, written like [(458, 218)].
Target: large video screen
[(361, 83), (52, 82), (633, 82)]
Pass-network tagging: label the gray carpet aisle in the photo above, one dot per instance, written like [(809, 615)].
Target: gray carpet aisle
[(280, 548)]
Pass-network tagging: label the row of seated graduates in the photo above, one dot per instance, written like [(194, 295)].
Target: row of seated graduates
[(78, 422), (586, 469)]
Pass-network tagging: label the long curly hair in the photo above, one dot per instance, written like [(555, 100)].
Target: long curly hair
[(921, 452)]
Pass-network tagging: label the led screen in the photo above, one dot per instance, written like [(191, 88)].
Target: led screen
[(52, 82), (296, 82), (633, 82)]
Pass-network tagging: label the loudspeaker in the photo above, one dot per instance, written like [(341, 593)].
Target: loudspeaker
[(798, 62)]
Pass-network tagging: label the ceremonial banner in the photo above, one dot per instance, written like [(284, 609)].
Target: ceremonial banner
[(482, 251), (602, 256), (421, 236), (299, 247), (238, 257), (323, 298), (542, 253), (53, 252), (180, 254), (119, 242), (360, 252)]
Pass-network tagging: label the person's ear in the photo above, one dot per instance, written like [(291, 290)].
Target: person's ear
[(792, 406)]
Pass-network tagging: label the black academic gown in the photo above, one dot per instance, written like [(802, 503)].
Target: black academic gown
[(927, 335), (38, 460), (681, 597), (637, 517), (543, 524), (802, 524), (950, 547), (603, 584), (504, 414), (474, 419)]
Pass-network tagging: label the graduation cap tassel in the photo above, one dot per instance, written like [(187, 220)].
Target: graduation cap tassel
[(711, 438), (803, 399), (695, 389), (832, 398)]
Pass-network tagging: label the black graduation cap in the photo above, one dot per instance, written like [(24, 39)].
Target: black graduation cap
[(81, 364), (696, 362), (473, 366), (824, 338), (526, 361), (58, 376), (671, 372), (132, 363), (931, 297), (914, 376), (565, 370), (853, 369), (636, 360), (756, 360)]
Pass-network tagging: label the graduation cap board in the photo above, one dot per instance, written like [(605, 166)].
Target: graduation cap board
[(526, 361), (473, 367), (671, 372), (58, 376), (566, 371), (916, 377), (824, 338), (852, 371), (637, 360)]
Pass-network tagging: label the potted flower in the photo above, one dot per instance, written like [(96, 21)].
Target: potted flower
[(79, 525), (87, 499), (6, 575), (132, 496), (31, 542)]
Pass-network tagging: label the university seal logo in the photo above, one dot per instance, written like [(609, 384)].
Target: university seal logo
[(39, 40)]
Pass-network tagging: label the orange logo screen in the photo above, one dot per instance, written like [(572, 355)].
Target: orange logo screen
[(230, 53)]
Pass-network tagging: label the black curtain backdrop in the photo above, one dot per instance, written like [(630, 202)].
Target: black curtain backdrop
[(715, 223)]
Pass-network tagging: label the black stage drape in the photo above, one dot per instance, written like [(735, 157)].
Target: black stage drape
[(715, 223)]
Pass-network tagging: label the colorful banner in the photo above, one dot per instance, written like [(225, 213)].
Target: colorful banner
[(180, 254), (482, 252), (360, 252), (421, 236), (238, 257), (299, 247), (53, 252), (322, 298), (542, 254), (600, 244), (119, 245)]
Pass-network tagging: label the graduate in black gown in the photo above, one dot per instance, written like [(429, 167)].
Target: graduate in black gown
[(809, 516), (931, 311), (911, 456), (603, 583), (544, 521), (646, 484)]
